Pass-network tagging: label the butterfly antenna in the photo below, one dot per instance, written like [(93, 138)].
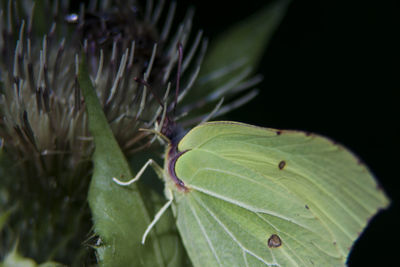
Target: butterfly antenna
[(143, 82), (178, 75)]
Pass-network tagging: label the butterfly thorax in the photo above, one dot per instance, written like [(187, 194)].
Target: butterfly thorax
[(173, 131)]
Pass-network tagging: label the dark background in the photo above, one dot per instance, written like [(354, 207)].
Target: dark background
[(329, 69)]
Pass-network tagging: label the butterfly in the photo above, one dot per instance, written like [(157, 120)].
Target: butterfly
[(245, 195)]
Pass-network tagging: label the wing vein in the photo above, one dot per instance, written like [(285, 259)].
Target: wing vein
[(230, 233), (335, 200), (293, 238), (205, 235)]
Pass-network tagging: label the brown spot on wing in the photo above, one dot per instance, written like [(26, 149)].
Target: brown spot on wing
[(274, 241), (282, 164)]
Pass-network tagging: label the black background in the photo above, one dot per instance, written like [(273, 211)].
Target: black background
[(330, 69)]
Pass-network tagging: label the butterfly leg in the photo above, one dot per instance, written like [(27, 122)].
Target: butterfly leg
[(159, 171), (157, 168), (158, 215)]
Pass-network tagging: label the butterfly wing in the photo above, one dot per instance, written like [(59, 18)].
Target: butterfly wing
[(262, 197)]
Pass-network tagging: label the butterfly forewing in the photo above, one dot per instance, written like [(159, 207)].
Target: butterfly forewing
[(271, 197)]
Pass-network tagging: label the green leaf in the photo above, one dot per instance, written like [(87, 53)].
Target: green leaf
[(14, 259), (119, 213), (242, 44)]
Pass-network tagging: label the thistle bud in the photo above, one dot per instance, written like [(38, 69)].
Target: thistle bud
[(43, 124)]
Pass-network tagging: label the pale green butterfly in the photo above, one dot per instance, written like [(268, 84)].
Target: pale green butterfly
[(251, 196)]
